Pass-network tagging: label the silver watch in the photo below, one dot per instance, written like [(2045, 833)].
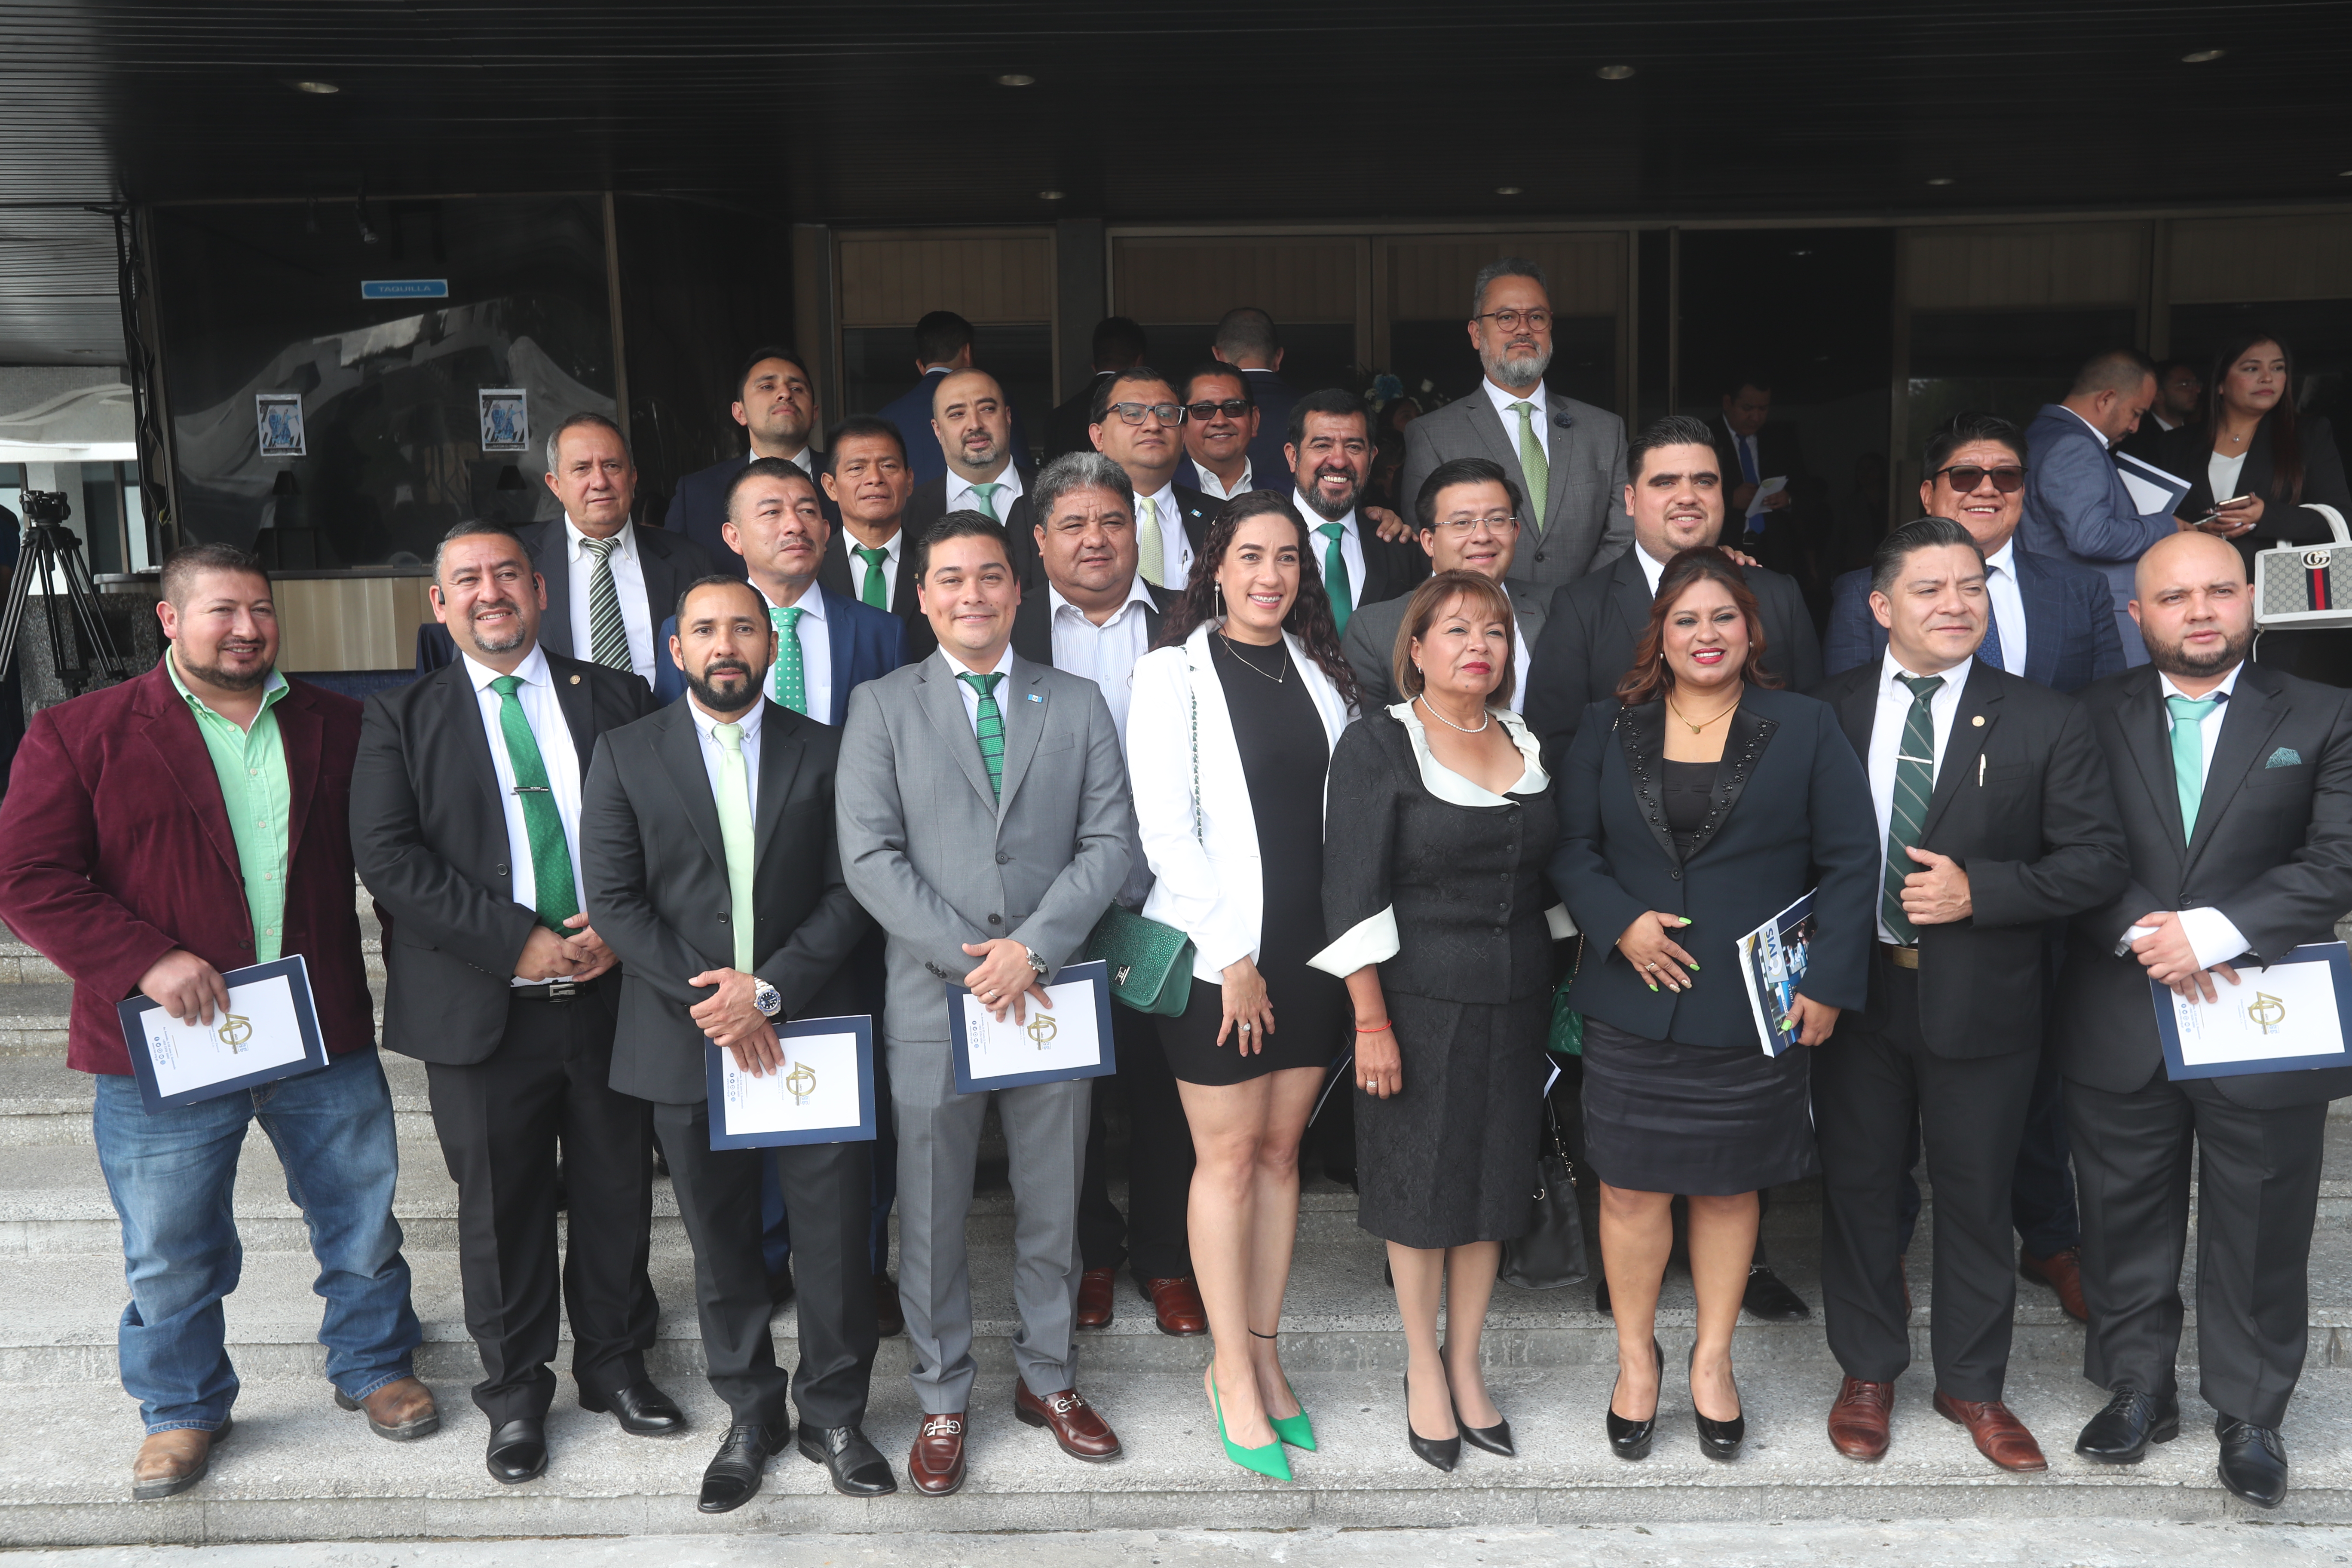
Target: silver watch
[(764, 997), (1036, 962)]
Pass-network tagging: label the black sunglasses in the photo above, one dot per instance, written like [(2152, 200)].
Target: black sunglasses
[(1201, 413), (1967, 476)]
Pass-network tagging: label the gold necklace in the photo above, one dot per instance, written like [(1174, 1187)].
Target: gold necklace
[(1245, 664), (1695, 728)]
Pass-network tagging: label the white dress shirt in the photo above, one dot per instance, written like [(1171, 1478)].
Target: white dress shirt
[(629, 582), (714, 753), (557, 754), (1215, 491), (1503, 397), (1003, 692), (1351, 546), (961, 499), (851, 543), (2212, 936), (1175, 544), (816, 651), (1887, 741), (1651, 567), (1104, 654), (2221, 474), (2104, 442), (2008, 605)]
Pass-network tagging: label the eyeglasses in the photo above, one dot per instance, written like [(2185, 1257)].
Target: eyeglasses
[(1512, 321), (1201, 413), (1133, 412), (1462, 527), (1967, 476)]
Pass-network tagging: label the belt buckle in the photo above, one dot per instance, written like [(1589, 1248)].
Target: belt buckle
[(562, 991)]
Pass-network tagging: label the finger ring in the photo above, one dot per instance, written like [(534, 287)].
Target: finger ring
[(1245, 1028)]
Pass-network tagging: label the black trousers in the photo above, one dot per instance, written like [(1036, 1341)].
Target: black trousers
[(827, 1190), (2257, 1199), (1154, 1236), (1870, 1087), (501, 1123)]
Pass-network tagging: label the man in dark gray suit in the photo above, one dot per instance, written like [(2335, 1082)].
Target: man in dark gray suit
[(985, 824), (708, 850), (1568, 457)]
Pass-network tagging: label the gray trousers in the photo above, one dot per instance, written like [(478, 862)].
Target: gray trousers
[(938, 1145)]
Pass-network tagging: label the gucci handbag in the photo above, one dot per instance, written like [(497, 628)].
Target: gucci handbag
[(1150, 963), (2306, 585)]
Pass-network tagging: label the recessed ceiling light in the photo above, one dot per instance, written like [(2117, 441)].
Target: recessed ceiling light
[(1507, 190), (2202, 57), (2344, 173), (1016, 79), (323, 88), (1941, 180), (1614, 73), (1800, 253), (1049, 195)]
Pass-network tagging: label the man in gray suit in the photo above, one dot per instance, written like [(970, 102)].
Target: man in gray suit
[(985, 824), (1569, 457)]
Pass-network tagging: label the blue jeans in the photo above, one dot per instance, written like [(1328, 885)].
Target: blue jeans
[(172, 1177)]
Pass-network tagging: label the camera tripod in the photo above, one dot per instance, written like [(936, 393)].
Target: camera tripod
[(52, 554)]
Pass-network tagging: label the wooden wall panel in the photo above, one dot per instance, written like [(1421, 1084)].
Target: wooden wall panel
[(990, 279), (1429, 279), (2025, 266), (349, 623), (1198, 281), (2231, 261)]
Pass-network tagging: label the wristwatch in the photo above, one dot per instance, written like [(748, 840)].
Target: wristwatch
[(1035, 962), (764, 997)]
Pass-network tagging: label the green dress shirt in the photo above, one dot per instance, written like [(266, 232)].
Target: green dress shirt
[(251, 766)]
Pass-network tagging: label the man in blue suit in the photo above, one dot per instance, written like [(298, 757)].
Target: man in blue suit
[(943, 344), (2076, 506), (775, 402)]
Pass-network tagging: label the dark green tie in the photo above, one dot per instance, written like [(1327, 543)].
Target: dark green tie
[(991, 729), (550, 857), (1335, 576), (876, 592), (1914, 781)]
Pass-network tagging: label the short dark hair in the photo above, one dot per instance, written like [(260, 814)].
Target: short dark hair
[(593, 421), (1099, 406), (960, 525), (710, 580), (1461, 471), (1246, 330), (1673, 430), (2165, 367), (862, 425), (1505, 267), (1919, 533), (763, 353), (471, 527), (190, 562), (763, 469), (941, 335), (1119, 342), (1744, 375), (1332, 400), (1961, 430), (2118, 371), (1224, 372)]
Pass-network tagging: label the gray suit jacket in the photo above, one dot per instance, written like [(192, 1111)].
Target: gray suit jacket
[(1370, 643), (1586, 525), (938, 863)]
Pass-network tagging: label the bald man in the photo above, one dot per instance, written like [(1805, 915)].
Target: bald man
[(987, 472), (2233, 786)]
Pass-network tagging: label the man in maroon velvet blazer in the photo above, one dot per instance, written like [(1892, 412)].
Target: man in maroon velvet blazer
[(121, 859)]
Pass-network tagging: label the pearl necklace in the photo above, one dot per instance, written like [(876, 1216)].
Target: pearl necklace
[(1431, 709)]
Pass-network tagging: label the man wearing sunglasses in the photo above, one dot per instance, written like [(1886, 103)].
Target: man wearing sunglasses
[(1221, 422), (1137, 424)]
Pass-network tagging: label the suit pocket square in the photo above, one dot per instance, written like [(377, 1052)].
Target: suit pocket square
[(2284, 757)]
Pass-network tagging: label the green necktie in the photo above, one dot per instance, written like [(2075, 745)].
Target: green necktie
[(1150, 550), (1914, 781), (551, 856), (608, 634), (1533, 464), (2189, 755), (991, 729), (735, 832), (986, 496), (1335, 577), (792, 682), (876, 592)]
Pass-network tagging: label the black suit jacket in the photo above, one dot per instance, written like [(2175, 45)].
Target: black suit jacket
[(668, 561), (929, 503), (2271, 850), (833, 572), (1390, 571), (1795, 531), (655, 868), (1032, 623), (1274, 396), (1066, 428), (2021, 803), (429, 838), (700, 508), (1590, 632), (2189, 452)]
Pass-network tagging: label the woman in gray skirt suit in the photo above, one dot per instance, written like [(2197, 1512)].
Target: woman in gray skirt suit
[(1440, 826)]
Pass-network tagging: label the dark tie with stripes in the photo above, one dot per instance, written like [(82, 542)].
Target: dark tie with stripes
[(608, 634), (1914, 781), (991, 729)]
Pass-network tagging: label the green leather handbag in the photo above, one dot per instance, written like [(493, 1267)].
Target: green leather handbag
[(1150, 963)]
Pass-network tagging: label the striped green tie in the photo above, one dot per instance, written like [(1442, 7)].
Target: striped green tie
[(991, 729), (608, 634), (1914, 781), (876, 591), (792, 680), (550, 855)]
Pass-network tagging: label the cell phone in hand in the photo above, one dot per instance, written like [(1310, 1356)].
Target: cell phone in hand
[(2215, 515)]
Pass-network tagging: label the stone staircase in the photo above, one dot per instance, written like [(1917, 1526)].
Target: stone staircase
[(297, 1469)]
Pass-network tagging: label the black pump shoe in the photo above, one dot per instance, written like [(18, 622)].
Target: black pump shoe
[(1443, 1452), (1495, 1439), (1632, 1440), (1718, 1439)]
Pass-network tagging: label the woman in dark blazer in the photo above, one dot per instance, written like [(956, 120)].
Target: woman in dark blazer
[(1693, 809)]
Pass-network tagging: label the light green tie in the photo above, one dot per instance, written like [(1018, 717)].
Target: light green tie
[(2189, 755), (1335, 577), (1150, 555), (986, 496), (550, 855), (792, 680), (1533, 465), (736, 833), (876, 592)]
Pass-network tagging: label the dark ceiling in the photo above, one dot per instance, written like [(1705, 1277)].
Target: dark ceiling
[(1217, 110)]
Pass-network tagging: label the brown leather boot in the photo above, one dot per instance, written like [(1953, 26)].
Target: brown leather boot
[(401, 1410), (171, 1462)]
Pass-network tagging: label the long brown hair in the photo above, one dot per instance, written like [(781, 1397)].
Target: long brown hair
[(1651, 677), (1309, 619), (2286, 440)]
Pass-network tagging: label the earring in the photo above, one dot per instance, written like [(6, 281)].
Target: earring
[(1219, 589)]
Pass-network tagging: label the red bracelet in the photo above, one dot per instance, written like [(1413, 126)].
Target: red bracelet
[(1379, 1028)]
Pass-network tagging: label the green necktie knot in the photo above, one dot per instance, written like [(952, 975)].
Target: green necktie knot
[(2189, 710), (730, 736), (986, 495), (983, 684), (792, 676), (990, 727), (1923, 687), (876, 592), (553, 890), (505, 685), (2189, 716), (1336, 582)]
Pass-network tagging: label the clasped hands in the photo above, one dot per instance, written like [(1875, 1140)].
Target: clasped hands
[(2171, 961), (1661, 962), (1004, 978), (578, 957)]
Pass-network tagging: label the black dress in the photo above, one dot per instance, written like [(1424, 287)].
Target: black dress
[(1284, 757)]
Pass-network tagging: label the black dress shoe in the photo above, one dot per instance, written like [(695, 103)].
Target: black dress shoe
[(1718, 1439), (1768, 1299), (858, 1470), (732, 1477), (644, 1410), (1443, 1452), (2120, 1433), (2253, 1461), (1630, 1439), (518, 1451)]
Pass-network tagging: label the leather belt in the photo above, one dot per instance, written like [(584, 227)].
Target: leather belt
[(1899, 956), (556, 990)]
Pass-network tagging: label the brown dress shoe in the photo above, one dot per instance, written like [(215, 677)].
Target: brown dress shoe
[(1077, 1425), (2000, 1436), (1094, 1297), (171, 1462), (1177, 1304), (2062, 1272), (936, 1465), (1858, 1420), (889, 1316), (401, 1410)]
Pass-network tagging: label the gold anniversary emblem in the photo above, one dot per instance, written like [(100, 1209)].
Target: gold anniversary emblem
[(2267, 1012), (233, 1032), (1042, 1029), (801, 1082)]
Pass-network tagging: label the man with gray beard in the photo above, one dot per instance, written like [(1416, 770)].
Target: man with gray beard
[(1569, 456)]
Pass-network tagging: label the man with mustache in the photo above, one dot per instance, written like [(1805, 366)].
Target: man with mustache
[(1330, 456), (775, 403), (973, 422), (466, 826), (1136, 421)]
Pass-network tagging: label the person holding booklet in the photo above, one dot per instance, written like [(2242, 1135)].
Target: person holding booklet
[(707, 845), (1694, 806), (2233, 781)]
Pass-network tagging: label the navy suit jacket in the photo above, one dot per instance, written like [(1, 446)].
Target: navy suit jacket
[(1275, 397), (700, 507), (912, 413), (2077, 509), (2070, 623), (866, 643)]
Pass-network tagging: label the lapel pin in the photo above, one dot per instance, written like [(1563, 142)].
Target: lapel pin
[(1035, 697), (1977, 720), (575, 680)]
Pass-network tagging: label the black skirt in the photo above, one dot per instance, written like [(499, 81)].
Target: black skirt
[(1452, 1160), (1710, 1121)]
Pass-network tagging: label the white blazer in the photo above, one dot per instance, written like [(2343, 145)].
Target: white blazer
[(1209, 888)]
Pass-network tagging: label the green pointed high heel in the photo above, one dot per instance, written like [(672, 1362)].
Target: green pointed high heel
[(1298, 1430), (1266, 1461)]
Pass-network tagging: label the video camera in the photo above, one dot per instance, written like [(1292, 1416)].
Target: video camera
[(47, 508)]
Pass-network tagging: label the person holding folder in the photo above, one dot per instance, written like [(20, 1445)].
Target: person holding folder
[(707, 844), (2233, 784)]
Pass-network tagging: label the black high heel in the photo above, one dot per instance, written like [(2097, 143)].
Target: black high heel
[(1718, 1439), (1630, 1439), (1495, 1439), (1443, 1452)]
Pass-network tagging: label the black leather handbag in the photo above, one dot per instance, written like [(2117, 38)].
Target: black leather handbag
[(1551, 1257)]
